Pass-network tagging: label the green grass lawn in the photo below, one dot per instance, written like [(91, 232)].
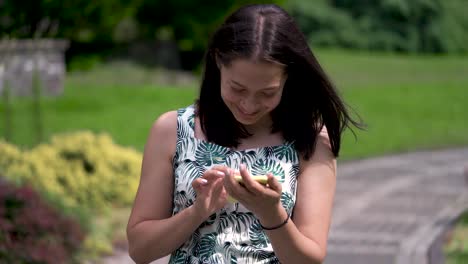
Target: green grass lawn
[(457, 248), (408, 103), (125, 112), (404, 118)]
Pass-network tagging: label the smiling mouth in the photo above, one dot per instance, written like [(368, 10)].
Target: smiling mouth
[(246, 114)]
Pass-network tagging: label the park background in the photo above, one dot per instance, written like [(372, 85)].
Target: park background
[(69, 163)]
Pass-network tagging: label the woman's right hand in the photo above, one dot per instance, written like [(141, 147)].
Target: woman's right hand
[(211, 195)]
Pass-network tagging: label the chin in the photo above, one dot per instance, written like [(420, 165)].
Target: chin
[(248, 121), (245, 122)]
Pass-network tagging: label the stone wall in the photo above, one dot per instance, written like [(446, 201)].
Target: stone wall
[(19, 59)]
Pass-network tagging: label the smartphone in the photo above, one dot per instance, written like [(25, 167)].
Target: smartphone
[(262, 179)]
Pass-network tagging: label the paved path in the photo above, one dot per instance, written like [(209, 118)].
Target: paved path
[(392, 209)]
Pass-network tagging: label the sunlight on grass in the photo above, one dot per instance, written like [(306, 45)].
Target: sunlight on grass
[(408, 103), (457, 246), (407, 118), (364, 69)]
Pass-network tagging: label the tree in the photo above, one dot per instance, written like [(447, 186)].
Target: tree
[(430, 26)]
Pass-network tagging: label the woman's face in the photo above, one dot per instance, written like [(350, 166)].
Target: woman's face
[(252, 89)]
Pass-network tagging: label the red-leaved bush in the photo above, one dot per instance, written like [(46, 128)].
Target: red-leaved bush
[(31, 231)]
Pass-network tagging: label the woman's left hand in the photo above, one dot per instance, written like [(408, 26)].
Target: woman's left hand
[(262, 200)]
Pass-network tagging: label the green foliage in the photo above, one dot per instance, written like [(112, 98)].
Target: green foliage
[(84, 176), (325, 25), (84, 62), (109, 24), (429, 26), (456, 249), (188, 23), (86, 170), (385, 89), (31, 231)]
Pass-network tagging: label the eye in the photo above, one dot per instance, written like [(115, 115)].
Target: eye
[(268, 95), (237, 90)]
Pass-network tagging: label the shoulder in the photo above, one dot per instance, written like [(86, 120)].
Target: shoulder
[(323, 151), (323, 137), (165, 124), (163, 135)]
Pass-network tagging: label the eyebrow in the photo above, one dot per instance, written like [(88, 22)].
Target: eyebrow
[(243, 86)]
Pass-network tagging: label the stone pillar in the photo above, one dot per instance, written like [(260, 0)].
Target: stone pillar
[(19, 58)]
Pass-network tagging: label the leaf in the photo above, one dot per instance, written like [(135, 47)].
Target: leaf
[(194, 240), (293, 173), (286, 153), (229, 252), (266, 152), (262, 167), (206, 246), (287, 201), (178, 257), (209, 154), (242, 221), (181, 200), (249, 158), (183, 129), (257, 236), (224, 221), (237, 220), (191, 121), (233, 160), (193, 260), (211, 220), (186, 147), (233, 259), (254, 254), (187, 172), (185, 122), (274, 260)]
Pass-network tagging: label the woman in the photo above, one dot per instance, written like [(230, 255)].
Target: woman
[(265, 108)]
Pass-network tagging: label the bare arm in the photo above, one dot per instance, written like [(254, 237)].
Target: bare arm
[(304, 239), (152, 231)]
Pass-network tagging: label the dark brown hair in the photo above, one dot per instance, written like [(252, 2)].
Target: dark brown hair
[(309, 100)]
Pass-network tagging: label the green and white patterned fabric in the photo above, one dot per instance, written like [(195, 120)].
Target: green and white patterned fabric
[(233, 234)]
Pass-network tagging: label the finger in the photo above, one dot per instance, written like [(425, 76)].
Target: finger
[(249, 183), (218, 189), (198, 183), (274, 184), (229, 182), (211, 175), (233, 188), (222, 168)]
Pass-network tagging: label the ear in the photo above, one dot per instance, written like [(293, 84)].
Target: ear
[(217, 61)]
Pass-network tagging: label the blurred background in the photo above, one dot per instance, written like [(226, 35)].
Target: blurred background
[(81, 83)]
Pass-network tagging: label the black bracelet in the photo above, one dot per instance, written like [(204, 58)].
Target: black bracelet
[(276, 227)]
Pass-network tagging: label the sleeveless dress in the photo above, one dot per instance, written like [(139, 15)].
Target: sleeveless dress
[(233, 234)]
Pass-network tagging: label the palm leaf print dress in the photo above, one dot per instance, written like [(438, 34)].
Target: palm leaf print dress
[(233, 234)]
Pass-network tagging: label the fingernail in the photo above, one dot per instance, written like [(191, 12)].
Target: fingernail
[(203, 181), (242, 166), (220, 173)]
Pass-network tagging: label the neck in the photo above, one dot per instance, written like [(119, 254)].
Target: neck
[(262, 127)]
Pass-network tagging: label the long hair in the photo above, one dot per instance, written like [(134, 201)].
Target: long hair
[(309, 100)]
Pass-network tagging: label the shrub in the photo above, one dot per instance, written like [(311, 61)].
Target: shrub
[(31, 231), (423, 26), (82, 168)]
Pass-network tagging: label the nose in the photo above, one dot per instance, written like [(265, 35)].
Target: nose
[(248, 105)]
